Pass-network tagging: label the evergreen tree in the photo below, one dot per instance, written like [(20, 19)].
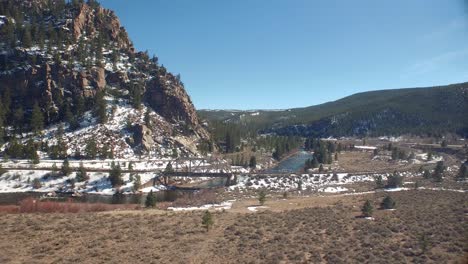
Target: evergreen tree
[(388, 203), (91, 149), (18, 119), (82, 174), (100, 107), (438, 171), (36, 183), (169, 168), (262, 197), (394, 181), (54, 170), (147, 118), (150, 199), (253, 162), (367, 209), (137, 183), (462, 173), (207, 220), (115, 175), (37, 118), (66, 170), (379, 182), (27, 39)]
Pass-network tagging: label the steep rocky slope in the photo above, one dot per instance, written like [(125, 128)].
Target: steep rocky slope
[(76, 64)]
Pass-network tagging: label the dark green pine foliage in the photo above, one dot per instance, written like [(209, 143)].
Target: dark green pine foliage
[(82, 174), (150, 199), (388, 203), (37, 119), (367, 209), (462, 173), (115, 175), (437, 175), (65, 170), (394, 181), (100, 107)]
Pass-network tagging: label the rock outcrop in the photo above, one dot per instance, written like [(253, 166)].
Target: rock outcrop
[(89, 51)]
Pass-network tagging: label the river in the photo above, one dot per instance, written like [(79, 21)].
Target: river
[(291, 164)]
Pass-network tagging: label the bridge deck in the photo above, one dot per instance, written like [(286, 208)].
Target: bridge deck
[(197, 174)]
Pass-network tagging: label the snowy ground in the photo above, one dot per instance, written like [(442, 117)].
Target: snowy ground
[(313, 182)]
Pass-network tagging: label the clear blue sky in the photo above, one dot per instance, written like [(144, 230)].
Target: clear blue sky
[(273, 54)]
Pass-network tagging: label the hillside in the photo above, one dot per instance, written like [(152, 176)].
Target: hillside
[(421, 111), (73, 85)]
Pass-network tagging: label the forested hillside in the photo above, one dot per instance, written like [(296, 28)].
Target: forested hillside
[(419, 111)]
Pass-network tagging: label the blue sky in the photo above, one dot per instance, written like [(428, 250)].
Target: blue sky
[(271, 54)]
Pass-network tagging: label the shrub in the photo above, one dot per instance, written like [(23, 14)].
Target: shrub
[(378, 182), (394, 181), (36, 183), (207, 220), (388, 203)]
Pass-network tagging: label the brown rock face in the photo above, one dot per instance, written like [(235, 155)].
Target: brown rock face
[(143, 136), (106, 21), (169, 98)]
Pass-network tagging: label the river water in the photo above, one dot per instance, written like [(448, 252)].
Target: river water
[(290, 165)]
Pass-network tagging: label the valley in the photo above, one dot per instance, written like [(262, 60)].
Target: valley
[(105, 159)]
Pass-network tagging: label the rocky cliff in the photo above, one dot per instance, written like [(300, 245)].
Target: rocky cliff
[(77, 64)]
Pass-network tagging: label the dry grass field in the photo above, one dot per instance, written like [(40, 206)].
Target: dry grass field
[(427, 227)]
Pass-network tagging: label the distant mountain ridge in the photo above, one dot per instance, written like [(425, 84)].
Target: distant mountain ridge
[(420, 111)]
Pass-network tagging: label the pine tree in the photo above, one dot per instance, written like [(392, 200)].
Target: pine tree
[(169, 168), (150, 199), (37, 118), (367, 209), (262, 197), (54, 170), (91, 149), (379, 182), (137, 183), (207, 220), (18, 119), (82, 174), (100, 107), (36, 183), (462, 173), (388, 203), (438, 171), (115, 175), (394, 181), (27, 39), (147, 118), (253, 162), (66, 170)]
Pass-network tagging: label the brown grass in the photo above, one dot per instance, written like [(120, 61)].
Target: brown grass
[(32, 205), (326, 231)]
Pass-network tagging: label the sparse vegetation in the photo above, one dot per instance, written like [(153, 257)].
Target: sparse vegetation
[(207, 220)]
